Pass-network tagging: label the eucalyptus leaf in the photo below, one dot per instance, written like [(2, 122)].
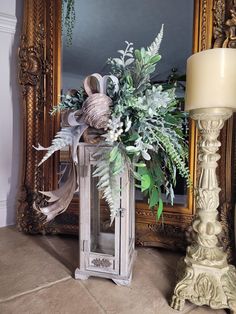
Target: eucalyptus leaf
[(159, 209), (133, 137), (140, 165), (132, 149), (137, 54), (145, 155), (145, 182), (128, 54), (143, 170), (155, 59), (154, 197), (118, 61), (129, 61)]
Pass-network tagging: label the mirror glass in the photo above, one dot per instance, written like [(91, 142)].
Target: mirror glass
[(101, 28)]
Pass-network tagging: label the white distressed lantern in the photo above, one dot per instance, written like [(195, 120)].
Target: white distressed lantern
[(104, 250)]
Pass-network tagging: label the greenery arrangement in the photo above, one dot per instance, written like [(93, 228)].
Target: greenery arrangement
[(144, 132)]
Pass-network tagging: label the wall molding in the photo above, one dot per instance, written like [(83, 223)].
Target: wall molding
[(3, 204), (7, 213), (7, 23)]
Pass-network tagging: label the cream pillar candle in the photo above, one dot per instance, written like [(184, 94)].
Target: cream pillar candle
[(211, 79)]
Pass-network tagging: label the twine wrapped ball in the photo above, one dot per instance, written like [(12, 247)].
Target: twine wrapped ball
[(96, 110)]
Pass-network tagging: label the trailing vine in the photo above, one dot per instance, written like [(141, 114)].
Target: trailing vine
[(68, 18)]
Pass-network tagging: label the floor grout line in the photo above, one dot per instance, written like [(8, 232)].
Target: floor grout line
[(34, 290), (93, 297), (166, 263)]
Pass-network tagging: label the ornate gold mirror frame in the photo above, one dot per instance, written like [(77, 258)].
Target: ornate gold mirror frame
[(39, 76)]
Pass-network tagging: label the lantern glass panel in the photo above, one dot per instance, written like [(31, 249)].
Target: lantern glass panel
[(102, 233)]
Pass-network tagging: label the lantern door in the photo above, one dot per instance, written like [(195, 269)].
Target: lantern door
[(99, 240), (127, 248)]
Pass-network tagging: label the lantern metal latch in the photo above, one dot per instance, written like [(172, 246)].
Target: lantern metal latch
[(121, 211)]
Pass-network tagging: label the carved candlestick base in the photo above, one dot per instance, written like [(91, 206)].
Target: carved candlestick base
[(204, 276)]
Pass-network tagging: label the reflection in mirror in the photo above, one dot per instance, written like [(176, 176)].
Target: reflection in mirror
[(102, 27)]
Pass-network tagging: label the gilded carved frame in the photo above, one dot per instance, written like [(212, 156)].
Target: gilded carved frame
[(39, 76)]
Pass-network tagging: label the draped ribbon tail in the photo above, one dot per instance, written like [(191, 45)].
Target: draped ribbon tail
[(74, 118), (75, 142), (77, 180), (62, 173), (61, 197), (56, 194)]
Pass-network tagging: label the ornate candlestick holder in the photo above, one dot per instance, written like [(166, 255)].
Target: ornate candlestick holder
[(204, 276)]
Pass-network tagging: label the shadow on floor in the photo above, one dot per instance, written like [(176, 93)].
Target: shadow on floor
[(63, 248)]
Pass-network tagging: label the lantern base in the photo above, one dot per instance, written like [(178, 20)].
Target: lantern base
[(123, 282), (120, 280), (81, 275)]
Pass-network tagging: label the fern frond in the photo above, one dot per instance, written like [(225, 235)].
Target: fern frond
[(68, 136), (155, 46), (62, 139), (175, 157), (107, 183)]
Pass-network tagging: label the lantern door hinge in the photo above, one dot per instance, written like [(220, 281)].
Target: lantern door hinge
[(85, 245), (83, 170)]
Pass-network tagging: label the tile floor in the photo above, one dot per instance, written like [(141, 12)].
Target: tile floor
[(36, 276)]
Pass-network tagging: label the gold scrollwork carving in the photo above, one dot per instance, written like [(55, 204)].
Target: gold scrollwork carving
[(224, 29), (30, 64), (36, 69), (218, 23)]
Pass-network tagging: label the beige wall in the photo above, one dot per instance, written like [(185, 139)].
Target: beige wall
[(10, 113)]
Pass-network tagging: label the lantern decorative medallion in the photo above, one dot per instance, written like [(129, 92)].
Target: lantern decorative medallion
[(105, 250)]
